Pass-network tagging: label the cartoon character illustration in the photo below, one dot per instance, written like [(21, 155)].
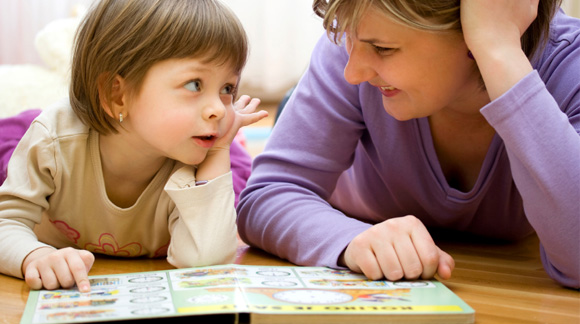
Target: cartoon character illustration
[(79, 303), (64, 294), (327, 272), (211, 272), (224, 281), (386, 296), (104, 282), (348, 283), (71, 316)]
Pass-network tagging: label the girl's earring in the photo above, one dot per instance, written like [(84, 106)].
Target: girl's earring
[(470, 55), (120, 118)]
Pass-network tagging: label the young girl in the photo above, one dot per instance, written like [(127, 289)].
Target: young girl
[(137, 161), (432, 114)]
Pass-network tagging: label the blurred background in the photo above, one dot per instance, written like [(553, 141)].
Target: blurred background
[(36, 35), (282, 33)]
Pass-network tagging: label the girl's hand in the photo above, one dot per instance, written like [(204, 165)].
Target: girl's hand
[(217, 160), (397, 248), (51, 269), (492, 30), (244, 114)]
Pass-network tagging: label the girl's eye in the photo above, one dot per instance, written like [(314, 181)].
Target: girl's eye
[(229, 89), (383, 50), (194, 85)]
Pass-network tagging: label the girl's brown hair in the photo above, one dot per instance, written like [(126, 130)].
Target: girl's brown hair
[(127, 37), (434, 15)]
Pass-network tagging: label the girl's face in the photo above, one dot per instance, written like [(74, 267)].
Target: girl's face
[(419, 73), (183, 106)]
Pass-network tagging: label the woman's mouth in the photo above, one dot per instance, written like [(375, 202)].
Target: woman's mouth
[(389, 91)]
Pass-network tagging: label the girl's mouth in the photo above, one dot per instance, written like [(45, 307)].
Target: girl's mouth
[(205, 141)]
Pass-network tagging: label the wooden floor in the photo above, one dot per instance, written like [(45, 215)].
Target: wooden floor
[(503, 282)]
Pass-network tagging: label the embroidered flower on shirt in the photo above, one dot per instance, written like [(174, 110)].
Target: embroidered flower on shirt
[(72, 234), (162, 251), (108, 245)]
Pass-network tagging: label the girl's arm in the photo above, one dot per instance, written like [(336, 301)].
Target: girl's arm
[(23, 197), (202, 226)]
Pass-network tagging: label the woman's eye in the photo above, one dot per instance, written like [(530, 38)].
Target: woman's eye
[(194, 85), (228, 89), (383, 50)]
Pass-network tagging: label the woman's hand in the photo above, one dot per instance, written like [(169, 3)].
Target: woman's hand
[(491, 23), (50, 269), (492, 30), (397, 248)]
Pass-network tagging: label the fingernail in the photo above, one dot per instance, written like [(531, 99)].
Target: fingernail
[(85, 287)]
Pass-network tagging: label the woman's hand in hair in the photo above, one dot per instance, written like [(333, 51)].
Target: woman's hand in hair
[(492, 30)]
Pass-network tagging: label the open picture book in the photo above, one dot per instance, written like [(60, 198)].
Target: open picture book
[(254, 294)]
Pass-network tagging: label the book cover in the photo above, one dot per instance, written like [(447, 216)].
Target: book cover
[(269, 294)]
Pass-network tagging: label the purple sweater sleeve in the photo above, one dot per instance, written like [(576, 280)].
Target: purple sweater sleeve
[(539, 122), (543, 146), (284, 210)]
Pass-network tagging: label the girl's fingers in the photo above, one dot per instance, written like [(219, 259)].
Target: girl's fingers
[(250, 107), (48, 277), (79, 270), (243, 101), (63, 274), (32, 278)]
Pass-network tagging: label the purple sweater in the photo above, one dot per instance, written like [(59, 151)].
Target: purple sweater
[(336, 152)]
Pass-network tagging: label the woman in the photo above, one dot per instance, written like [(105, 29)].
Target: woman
[(432, 114)]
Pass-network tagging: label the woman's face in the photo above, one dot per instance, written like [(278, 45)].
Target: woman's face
[(419, 73)]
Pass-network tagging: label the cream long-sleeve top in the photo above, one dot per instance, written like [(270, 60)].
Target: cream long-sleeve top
[(55, 195)]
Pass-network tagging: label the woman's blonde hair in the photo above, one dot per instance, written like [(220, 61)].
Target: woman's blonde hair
[(127, 37), (432, 15)]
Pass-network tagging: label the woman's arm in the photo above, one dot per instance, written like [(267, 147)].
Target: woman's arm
[(284, 208), (537, 114)]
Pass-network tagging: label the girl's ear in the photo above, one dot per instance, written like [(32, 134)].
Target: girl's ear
[(113, 97)]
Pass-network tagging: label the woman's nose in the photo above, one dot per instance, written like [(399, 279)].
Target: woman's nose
[(358, 69)]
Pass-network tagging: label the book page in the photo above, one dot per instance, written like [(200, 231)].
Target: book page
[(234, 289)]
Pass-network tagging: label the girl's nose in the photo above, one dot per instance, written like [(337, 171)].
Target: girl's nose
[(359, 68), (214, 110)]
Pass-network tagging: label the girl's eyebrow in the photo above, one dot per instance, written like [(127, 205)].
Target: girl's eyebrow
[(197, 68)]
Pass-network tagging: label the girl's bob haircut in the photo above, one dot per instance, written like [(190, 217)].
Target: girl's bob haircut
[(127, 37)]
